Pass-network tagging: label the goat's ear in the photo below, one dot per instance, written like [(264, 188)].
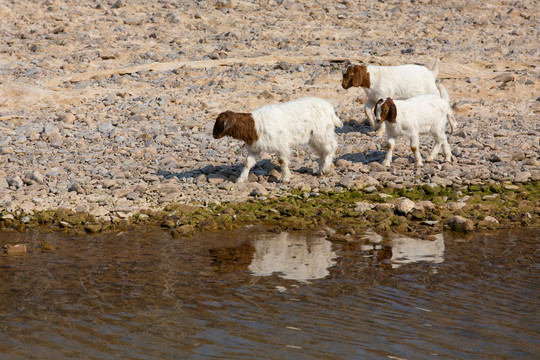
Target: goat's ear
[(229, 122), (357, 76), (392, 113)]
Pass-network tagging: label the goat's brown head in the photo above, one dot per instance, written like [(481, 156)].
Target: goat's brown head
[(240, 126), (355, 75), (385, 110)]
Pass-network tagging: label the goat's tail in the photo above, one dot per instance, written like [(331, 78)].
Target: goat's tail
[(435, 68), (335, 119), (452, 120), (450, 116)]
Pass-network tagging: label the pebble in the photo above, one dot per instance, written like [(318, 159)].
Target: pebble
[(405, 206)]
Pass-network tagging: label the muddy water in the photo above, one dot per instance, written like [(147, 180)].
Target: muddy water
[(253, 294)]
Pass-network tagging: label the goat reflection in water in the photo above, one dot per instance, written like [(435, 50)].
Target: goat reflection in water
[(292, 257), (304, 258), (404, 250)]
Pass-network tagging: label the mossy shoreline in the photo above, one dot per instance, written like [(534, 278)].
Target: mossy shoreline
[(347, 212)]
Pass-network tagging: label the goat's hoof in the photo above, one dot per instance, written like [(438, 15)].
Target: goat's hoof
[(285, 180)]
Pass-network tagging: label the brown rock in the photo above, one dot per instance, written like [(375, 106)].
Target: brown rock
[(460, 224), (18, 249)]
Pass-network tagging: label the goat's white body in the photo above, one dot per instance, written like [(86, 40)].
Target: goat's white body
[(420, 115), (306, 121), (399, 83)]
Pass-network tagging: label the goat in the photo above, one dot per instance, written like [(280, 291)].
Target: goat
[(397, 82), (277, 128), (424, 114)]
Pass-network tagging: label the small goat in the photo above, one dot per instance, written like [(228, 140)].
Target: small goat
[(424, 114), (397, 82), (278, 128)]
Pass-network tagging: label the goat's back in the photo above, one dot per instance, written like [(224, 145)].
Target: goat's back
[(295, 122), (422, 112), (400, 82)]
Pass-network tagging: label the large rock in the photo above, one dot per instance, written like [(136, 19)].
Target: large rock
[(460, 224)]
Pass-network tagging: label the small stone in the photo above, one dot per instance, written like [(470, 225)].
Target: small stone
[(200, 179), (172, 18), (105, 127), (93, 228), (460, 224), (454, 206), (185, 229), (106, 56), (118, 4), (369, 189), (77, 188), (8, 217), (404, 206), (67, 118), (342, 163), (522, 176), (35, 176), (18, 249), (16, 182), (517, 154), (506, 77), (489, 222), (46, 247), (425, 205), (259, 191), (431, 188), (6, 150), (363, 206), (501, 157), (266, 95), (224, 4), (347, 181)]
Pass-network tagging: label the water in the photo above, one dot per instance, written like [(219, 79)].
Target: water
[(253, 294)]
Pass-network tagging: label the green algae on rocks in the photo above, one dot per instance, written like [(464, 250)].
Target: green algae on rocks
[(432, 209)]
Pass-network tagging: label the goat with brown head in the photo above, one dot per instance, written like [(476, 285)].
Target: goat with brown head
[(385, 110), (240, 126), (355, 75)]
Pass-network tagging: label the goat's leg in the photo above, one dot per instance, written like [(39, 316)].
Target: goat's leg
[(391, 144), (369, 110), (325, 157), (446, 149), (285, 172), (415, 148), (251, 160), (435, 150)]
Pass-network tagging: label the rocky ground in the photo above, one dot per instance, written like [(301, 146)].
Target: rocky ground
[(107, 107)]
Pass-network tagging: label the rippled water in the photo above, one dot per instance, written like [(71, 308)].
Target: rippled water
[(253, 294)]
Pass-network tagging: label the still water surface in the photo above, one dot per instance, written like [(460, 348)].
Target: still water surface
[(252, 294)]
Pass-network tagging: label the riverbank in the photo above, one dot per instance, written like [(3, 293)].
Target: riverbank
[(419, 211), (106, 110)]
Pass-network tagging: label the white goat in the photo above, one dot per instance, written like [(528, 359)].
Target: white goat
[(424, 114), (277, 128), (397, 82)]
